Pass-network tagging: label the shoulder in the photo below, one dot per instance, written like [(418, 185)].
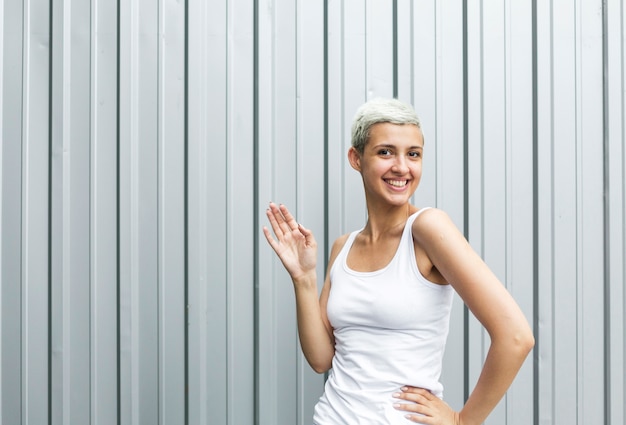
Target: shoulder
[(432, 224), (334, 252), (337, 246), (442, 241)]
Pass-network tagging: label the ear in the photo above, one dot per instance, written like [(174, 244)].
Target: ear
[(355, 158)]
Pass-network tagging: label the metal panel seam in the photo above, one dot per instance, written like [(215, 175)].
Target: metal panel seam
[(50, 143), (606, 218), (395, 47), (326, 146), (186, 215), (92, 220), (228, 290), (535, 212), (298, 140), (117, 220), (1, 184), (466, 318), (255, 206)]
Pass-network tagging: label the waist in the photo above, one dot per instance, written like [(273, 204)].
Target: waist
[(378, 378), (346, 404)]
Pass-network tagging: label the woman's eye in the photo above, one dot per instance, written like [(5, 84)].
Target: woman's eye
[(415, 154), (384, 152)]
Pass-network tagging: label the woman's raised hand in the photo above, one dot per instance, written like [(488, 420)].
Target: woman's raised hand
[(294, 245)]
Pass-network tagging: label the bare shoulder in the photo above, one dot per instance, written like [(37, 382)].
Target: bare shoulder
[(433, 224), (336, 248), (334, 252)]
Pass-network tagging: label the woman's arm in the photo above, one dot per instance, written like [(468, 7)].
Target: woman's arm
[(489, 301), (297, 250)]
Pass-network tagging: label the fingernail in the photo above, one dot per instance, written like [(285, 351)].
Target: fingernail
[(404, 388), (396, 394), (396, 405)]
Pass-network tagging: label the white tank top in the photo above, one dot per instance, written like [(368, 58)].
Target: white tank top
[(390, 329)]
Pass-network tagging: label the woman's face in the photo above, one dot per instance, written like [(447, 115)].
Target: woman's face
[(391, 163)]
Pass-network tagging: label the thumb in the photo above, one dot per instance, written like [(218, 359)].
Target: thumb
[(308, 234)]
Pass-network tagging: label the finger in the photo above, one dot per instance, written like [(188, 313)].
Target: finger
[(308, 235), (279, 218), (419, 402), (412, 408), (269, 238), (419, 391), (279, 224), (289, 219), (271, 216), (416, 403), (419, 419), (415, 412)]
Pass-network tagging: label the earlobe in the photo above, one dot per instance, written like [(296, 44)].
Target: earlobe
[(355, 159)]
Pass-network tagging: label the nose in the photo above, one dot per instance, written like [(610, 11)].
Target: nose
[(400, 165)]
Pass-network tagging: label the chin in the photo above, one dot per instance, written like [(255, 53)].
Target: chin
[(399, 202)]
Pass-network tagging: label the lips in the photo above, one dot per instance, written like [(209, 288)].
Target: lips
[(397, 183)]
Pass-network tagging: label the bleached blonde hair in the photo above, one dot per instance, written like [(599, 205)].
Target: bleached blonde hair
[(380, 110)]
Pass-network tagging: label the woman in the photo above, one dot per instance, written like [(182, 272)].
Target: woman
[(381, 320)]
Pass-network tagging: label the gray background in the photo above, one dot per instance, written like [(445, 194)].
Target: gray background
[(143, 139)]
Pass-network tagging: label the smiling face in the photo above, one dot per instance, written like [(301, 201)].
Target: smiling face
[(391, 162)]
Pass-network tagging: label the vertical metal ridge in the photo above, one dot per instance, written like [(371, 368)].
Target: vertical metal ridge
[(395, 48), (1, 201), (623, 179), (535, 229), (297, 66), (186, 215), (326, 141), (326, 150), (255, 206), (22, 272), (606, 216), (118, 274), (159, 213), (91, 256), (466, 349), (90, 219), (50, 142), (228, 303)]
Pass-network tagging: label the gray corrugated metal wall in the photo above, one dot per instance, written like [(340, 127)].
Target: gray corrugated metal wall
[(142, 140)]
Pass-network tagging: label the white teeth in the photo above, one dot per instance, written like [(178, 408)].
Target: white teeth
[(397, 183)]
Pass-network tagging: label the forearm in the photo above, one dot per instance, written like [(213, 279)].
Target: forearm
[(315, 340), (503, 361)]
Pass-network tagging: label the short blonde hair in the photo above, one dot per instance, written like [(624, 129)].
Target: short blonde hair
[(376, 111)]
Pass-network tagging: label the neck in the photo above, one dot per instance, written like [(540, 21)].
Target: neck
[(386, 221)]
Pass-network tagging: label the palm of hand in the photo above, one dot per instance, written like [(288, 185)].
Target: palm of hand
[(294, 245)]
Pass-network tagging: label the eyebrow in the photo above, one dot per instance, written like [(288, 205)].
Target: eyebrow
[(385, 145)]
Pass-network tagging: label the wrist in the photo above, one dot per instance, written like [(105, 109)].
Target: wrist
[(305, 281), (462, 419)]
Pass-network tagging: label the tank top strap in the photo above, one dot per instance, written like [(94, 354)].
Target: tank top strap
[(343, 253), (412, 217), (350, 241)]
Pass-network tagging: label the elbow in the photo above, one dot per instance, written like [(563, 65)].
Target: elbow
[(523, 341), (320, 367), (530, 343), (320, 360), (320, 363), (516, 343)]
